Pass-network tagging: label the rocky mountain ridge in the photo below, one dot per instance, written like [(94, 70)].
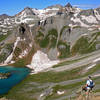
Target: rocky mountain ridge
[(58, 31)]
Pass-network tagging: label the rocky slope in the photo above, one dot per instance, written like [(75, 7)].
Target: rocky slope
[(58, 31)]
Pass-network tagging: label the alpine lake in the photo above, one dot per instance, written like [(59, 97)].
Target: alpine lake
[(11, 76)]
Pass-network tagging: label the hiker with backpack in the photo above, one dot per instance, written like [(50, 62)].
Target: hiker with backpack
[(89, 85)]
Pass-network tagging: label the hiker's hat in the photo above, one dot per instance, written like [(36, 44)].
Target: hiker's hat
[(89, 76)]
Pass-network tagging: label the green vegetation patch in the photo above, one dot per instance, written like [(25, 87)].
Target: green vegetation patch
[(3, 37), (68, 62), (53, 42), (17, 93), (64, 27), (75, 87), (76, 27), (52, 36), (96, 34), (26, 60), (98, 90), (7, 49), (49, 40), (42, 28), (62, 76), (82, 46), (69, 88), (92, 70), (17, 52), (64, 49), (39, 37), (2, 57), (44, 42), (55, 76), (52, 32), (20, 63), (40, 34)]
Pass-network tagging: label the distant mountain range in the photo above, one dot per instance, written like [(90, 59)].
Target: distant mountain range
[(56, 30)]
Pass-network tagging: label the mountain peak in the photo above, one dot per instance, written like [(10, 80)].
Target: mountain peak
[(68, 5), (3, 16), (27, 8), (25, 12)]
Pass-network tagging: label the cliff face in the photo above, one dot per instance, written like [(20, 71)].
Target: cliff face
[(58, 31)]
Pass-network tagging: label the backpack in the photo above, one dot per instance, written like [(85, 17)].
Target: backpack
[(91, 84)]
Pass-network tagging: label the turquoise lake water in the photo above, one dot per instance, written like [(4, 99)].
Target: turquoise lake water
[(17, 75)]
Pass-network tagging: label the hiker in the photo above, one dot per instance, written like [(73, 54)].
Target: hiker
[(89, 85)]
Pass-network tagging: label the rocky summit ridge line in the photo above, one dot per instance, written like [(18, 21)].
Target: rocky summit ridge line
[(58, 31)]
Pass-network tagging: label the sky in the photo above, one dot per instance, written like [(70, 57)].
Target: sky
[(12, 7)]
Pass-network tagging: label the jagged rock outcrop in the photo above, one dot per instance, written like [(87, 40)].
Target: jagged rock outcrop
[(5, 52), (24, 32), (54, 30)]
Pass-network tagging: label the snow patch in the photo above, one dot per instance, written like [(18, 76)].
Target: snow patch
[(84, 34), (90, 66), (90, 29), (44, 13), (99, 29), (30, 44), (48, 9), (89, 19), (31, 25), (12, 62), (27, 19), (24, 53), (41, 95), (11, 55), (60, 92), (77, 20), (98, 59), (40, 62), (97, 75), (77, 11)]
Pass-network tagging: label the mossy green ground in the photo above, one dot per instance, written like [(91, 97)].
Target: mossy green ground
[(65, 51), (25, 90), (4, 54), (26, 60), (63, 28), (47, 41), (68, 62), (3, 37), (83, 46)]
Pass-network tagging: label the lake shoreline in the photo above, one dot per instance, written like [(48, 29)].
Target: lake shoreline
[(17, 75)]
